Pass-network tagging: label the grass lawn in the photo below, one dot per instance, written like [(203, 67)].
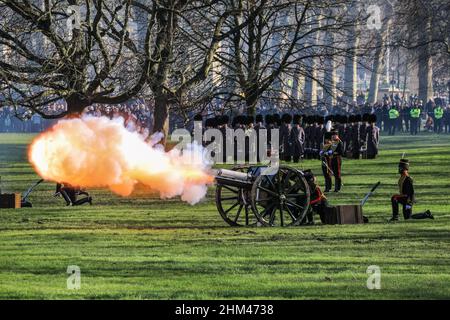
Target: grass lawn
[(144, 248)]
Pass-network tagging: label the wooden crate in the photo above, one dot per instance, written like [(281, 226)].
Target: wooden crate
[(351, 214), (10, 201)]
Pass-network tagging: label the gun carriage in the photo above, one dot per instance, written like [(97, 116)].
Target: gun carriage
[(256, 195)]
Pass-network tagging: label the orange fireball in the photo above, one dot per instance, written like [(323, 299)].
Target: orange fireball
[(99, 152)]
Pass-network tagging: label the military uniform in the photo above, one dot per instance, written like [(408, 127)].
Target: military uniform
[(406, 195), (297, 139), (318, 202), (355, 139), (372, 138), (331, 155), (70, 195), (285, 138)]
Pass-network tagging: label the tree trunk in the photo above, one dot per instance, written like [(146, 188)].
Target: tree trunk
[(310, 84), (425, 68), (329, 94), (161, 117), (76, 103), (377, 69), (351, 68)]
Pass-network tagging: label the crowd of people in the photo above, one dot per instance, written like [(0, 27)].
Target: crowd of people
[(394, 114), (413, 116), (137, 114)]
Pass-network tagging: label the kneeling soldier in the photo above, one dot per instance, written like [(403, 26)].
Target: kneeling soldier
[(70, 195), (318, 201), (406, 195)]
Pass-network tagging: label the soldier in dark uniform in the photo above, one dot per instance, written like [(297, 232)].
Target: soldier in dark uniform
[(259, 125), (336, 159), (285, 141), (269, 126), (406, 196), (356, 137), (70, 194), (319, 133), (223, 126), (347, 137), (310, 139), (297, 139), (325, 155), (372, 137)]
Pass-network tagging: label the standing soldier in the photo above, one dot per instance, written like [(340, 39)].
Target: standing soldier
[(438, 115), (325, 157), (356, 137), (336, 159), (406, 196), (223, 127), (297, 139), (331, 155), (319, 135), (372, 137), (415, 119), (285, 134), (258, 127)]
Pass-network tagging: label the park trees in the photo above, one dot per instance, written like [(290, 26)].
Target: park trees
[(284, 44)]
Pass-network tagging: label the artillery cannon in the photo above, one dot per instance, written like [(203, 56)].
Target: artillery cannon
[(246, 196)]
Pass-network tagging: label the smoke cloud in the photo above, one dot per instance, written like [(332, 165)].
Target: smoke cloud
[(96, 152)]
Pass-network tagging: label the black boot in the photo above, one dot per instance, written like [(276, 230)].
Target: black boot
[(83, 201), (421, 216), (394, 219)]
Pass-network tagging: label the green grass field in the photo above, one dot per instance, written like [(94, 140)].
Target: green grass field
[(145, 248)]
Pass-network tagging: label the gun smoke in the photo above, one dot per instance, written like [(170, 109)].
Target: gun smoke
[(96, 152)]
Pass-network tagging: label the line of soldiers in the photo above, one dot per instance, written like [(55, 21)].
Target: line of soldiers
[(303, 136)]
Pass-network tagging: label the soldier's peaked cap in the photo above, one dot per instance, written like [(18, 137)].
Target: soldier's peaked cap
[(404, 164)]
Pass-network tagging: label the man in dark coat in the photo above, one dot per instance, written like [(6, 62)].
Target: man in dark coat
[(372, 137), (356, 137), (406, 196), (285, 133), (297, 139), (337, 147), (325, 157), (258, 127)]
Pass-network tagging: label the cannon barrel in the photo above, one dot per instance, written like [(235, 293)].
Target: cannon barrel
[(224, 173), (234, 178)]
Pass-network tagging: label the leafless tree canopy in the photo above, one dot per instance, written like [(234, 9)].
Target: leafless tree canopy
[(181, 54)]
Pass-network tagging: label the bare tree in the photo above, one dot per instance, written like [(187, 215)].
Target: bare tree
[(282, 46)]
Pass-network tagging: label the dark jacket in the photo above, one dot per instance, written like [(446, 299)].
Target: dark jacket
[(406, 187)]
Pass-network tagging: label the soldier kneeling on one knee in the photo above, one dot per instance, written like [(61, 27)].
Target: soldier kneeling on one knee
[(70, 195), (406, 196)]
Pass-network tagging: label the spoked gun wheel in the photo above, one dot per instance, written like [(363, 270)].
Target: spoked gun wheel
[(234, 204), (281, 199)]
